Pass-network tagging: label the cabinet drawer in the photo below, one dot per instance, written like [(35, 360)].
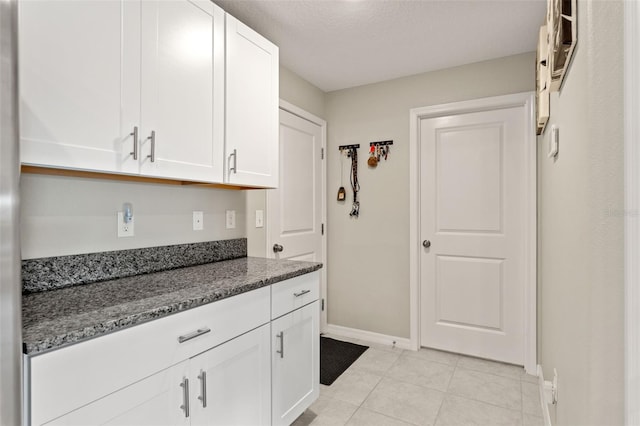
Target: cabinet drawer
[(68, 378), (294, 293)]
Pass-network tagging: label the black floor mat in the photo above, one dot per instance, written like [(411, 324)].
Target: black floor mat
[(335, 357)]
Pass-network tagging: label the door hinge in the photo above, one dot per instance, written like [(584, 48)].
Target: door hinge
[(322, 153), (322, 229), (322, 305)]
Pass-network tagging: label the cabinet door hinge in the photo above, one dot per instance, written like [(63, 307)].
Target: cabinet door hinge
[(322, 153), (322, 304), (322, 229)]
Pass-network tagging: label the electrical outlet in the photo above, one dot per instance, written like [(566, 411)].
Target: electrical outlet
[(124, 229), (198, 221), (259, 218), (231, 219)]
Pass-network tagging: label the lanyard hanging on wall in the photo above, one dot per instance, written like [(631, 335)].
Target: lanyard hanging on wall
[(355, 185), (352, 152)]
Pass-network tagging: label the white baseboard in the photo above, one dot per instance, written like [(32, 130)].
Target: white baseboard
[(369, 336), (545, 407)]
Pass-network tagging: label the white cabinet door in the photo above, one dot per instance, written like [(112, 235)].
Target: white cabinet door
[(154, 401), (251, 107), (295, 363), (182, 90), (231, 384), (79, 84)]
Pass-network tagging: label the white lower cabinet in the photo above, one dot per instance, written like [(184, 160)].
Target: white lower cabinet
[(250, 359), (154, 401), (226, 385), (230, 384), (295, 363)]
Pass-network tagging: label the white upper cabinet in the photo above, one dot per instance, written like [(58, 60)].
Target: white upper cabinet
[(123, 87), (139, 87), (182, 132), (252, 107), (79, 84)]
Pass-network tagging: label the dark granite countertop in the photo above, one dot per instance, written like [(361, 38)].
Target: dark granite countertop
[(55, 318)]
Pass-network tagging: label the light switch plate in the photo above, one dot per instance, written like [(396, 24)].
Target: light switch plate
[(231, 219), (124, 229), (259, 218), (198, 221)]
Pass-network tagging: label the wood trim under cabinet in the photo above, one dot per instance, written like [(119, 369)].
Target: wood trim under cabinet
[(126, 178)]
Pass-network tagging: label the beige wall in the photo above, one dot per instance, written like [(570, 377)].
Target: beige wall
[(63, 215), (368, 257), (299, 92), (294, 89), (580, 228)]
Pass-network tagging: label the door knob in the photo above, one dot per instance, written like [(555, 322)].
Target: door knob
[(425, 244), (277, 248)]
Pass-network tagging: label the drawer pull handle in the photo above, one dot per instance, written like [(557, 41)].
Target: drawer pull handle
[(198, 332), (203, 388), (185, 396), (281, 337), (302, 293)]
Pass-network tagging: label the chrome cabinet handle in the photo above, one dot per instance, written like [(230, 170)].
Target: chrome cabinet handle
[(234, 154), (135, 142), (302, 293), (277, 248), (185, 396), (193, 335), (153, 146), (203, 388), (281, 337)]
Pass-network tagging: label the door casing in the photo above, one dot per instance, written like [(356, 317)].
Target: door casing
[(527, 101)]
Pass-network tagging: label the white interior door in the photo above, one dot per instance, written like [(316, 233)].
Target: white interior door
[(472, 203), (295, 208)]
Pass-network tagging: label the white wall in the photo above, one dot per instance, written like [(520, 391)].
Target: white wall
[(64, 215), (580, 228), (368, 257), (299, 92)]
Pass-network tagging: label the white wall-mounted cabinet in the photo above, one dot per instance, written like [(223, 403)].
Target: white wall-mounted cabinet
[(138, 88), (98, 79), (252, 106)]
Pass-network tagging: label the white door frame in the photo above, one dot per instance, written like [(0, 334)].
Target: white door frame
[(632, 207), (526, 100), (286, 106)]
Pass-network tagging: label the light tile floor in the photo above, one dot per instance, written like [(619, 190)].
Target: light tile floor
[(388, 386)]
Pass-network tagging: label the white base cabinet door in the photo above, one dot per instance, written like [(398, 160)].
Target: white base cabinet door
[(295, 363), (154, 401), (231, 384)]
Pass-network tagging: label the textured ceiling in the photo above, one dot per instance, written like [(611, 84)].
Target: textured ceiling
[(339, 44)]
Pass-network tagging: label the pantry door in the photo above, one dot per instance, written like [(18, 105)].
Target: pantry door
[(472, 229), (296, 209)]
